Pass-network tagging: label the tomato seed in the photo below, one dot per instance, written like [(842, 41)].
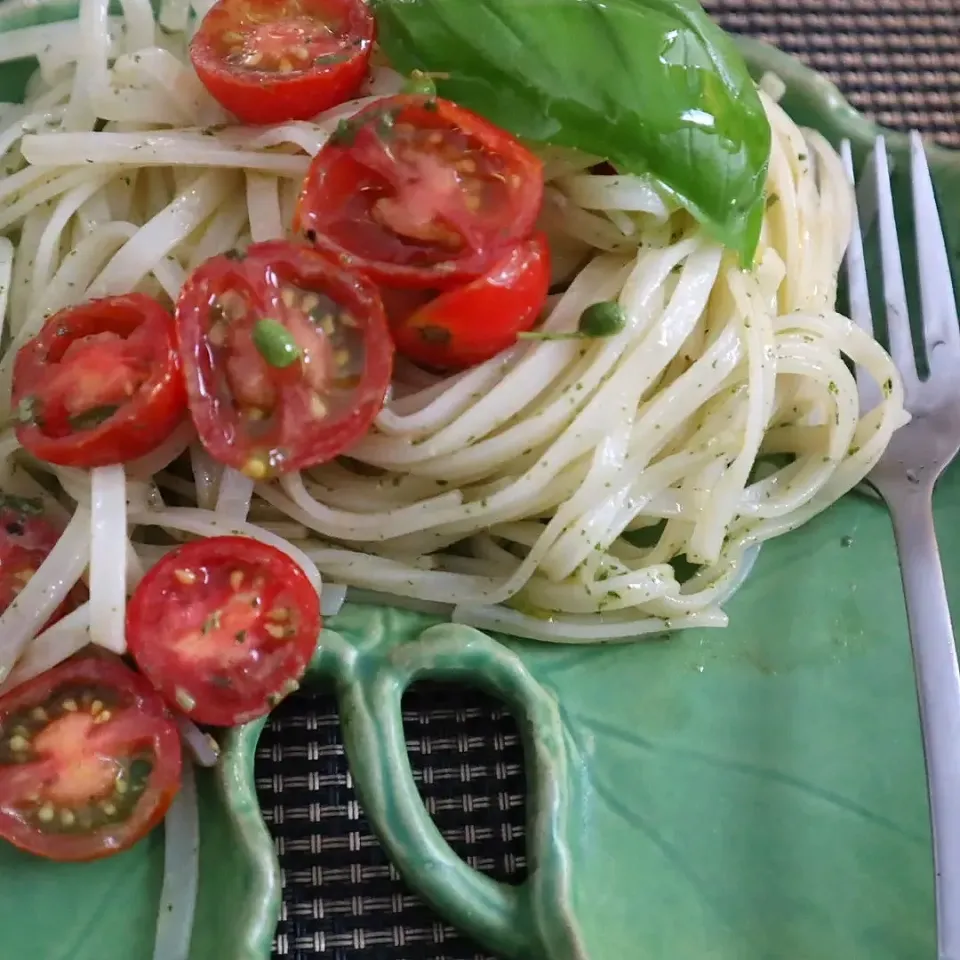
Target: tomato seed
[(328, 326), (275, 630), (348, 320), (67, 818), (467, 165), (285, 66), (300, 52), (289, 297), (70, 706), (18, 744), (233, 37), (342, 358), (255, 468), (232, 305), (96, 707), (103, 717), (24, 576), (109, 809), (255, 413), (187, 577), (317, 407), (46, 813), (236, 579), (310, 302), (184, 700), (121, 786), (279, 614), (39, 714), (252, 59)]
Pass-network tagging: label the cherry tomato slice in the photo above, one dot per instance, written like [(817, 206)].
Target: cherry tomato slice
[(287, 357), (100, 383), (473, 323), (89, 760), (224, 628), (418, 192), (269, 61), (26, 537)]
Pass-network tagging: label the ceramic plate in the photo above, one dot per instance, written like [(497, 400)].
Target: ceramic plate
[(749, 794)]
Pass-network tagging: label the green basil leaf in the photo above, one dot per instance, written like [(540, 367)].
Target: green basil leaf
[(652, 85)]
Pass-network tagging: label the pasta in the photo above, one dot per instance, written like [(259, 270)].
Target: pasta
[(565, 490)]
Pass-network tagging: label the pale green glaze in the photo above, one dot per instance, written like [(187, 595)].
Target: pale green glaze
[(749, 794)]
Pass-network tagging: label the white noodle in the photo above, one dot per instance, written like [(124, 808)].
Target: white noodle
[(45, 591), (108, 557), (236, 491), (181, 872), (53, 646), (202, 746), (6, 274)]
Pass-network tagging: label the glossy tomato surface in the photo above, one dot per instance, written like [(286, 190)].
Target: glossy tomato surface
[(100, 384), (266, 412), (268, 61), (418, 192), (89, 760), (26, 537), (224, 628), (469, 324)]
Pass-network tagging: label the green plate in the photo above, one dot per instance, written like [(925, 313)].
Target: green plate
[(749, 794)]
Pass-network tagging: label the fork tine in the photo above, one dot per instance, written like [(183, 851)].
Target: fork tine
[(894, 293), (856, 268), (941, 332)]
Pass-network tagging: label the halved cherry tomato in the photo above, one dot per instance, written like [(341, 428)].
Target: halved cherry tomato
[(472, 323), (418, 192), (26, 537), (272, 60), (100, 383), (287, 357), (224, 628), (89, 760)]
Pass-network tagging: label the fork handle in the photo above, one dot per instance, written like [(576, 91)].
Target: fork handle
[(938, 691)]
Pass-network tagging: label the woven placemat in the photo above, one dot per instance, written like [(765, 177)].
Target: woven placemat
[(899, 62)]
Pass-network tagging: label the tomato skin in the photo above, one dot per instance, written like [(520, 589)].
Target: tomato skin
[(469, 324), (226, 383), (83, 352), (218, 600), (260, 96), (139, 721), (26, 537), (430, 197)]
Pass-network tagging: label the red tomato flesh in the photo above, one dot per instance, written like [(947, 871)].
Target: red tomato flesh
[(26, 537), (266, 419), (224, 628), (472, 323), (89, 761), (418, 192), (267, 62), (100, 383)]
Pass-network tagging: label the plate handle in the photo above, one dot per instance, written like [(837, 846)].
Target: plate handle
[(526, 922)]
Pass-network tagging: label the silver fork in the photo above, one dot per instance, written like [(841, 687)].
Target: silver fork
[(905, 477)]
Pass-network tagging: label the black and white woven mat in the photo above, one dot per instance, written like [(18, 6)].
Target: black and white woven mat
[(896, 60)]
